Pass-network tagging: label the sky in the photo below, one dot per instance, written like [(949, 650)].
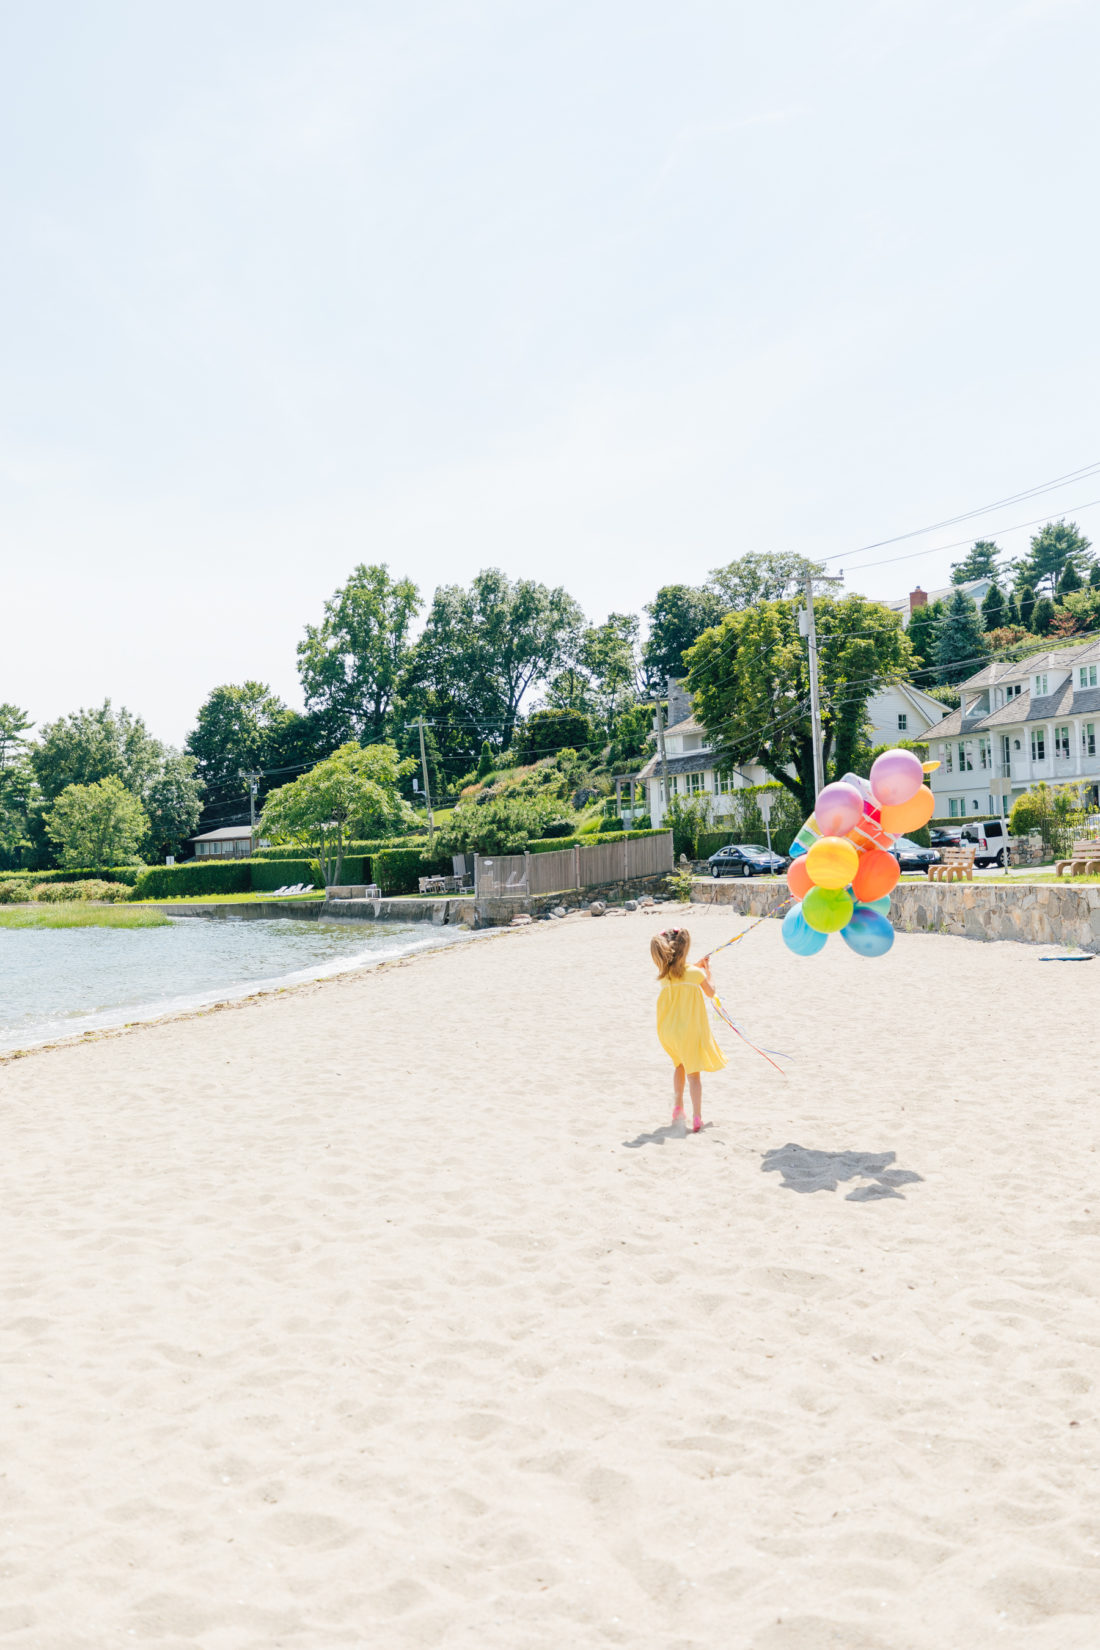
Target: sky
[(600, 292)]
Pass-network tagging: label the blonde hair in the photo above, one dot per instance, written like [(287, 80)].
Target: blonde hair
[(669, 951)]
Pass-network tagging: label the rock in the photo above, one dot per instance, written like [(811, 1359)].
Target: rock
[(559, 911), (631, 905), (521, 919), (597, 908), (646, 899)]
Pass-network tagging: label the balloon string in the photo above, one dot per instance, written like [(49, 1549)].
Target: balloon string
[(768, 915), (765, 1054)]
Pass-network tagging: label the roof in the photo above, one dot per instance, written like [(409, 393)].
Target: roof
[(1054, 658), (1025, 707), (688, 725), (228, 833), (690, 762)]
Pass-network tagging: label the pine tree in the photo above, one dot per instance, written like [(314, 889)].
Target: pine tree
[(924, 628), (1043, 616), (1012, 609), (993, 608), (485, 760), (978, 563), (1026, 603), (1094, 577), (962, 645), (1070, 580)]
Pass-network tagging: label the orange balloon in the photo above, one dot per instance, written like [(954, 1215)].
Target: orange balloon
[(911, 815), (877, 875), (798, 878)]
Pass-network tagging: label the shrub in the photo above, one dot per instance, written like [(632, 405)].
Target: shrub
[(13, 892), (503, 825), (227, 876), (546, 731), (584, 840), (127, 874), (1053, 810), (53, 893), (397, 870), (278, 873)]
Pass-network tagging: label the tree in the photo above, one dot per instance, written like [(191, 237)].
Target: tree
[(766, 575), (97, 825), (173, 803), (993, 608), (548, 731), (1094, 577), (983, 561), (17, 786), (505, 825), (96, 744), (239, 729), (962, 644), (678, 615), (1070, 580), (750, 678), (485, 761), (352, 665), (924, 630), (1043, 616), (607, 652), (484, 648), (1025, 602), (353, 791), (13, 725), (1057, 546)]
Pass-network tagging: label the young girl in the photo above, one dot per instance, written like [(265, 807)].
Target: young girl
[(683, 1025)]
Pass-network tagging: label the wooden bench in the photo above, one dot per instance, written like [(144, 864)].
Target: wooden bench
[(957, 864), (1085, 858)]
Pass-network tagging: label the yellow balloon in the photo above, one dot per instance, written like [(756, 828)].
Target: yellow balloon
[(832, 862)]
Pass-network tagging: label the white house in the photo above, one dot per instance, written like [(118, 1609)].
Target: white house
[(976, 589), (1036, 719), (899, 711), (231, 842)]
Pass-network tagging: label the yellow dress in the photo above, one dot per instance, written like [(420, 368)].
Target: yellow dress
[(683, 1024)]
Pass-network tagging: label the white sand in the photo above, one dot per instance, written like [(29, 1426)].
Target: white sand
[(349, 1318)]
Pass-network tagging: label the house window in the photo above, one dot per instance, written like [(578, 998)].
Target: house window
[(1014, 690), (945, 751), (723, 783), (1006, 753), (974, 805), (1061, 743), (1038, 745), (952, 809), (983, 753), (694, 783), (1088, 738), (1041, 686), (903, 721), (965, 764), (1086, 676)]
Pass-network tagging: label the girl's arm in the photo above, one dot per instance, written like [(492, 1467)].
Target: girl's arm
[(707, 986)]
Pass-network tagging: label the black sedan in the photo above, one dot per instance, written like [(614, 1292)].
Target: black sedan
[(912, 857), (745, 859)]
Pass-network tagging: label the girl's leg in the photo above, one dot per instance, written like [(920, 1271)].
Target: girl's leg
[(695, 1089), (678, 1094)]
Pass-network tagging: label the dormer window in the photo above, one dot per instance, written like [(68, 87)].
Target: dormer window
[(1086, 676), (1014, 690), (1041, 686)]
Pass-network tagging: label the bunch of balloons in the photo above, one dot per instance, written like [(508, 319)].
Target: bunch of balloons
[(843, 872)]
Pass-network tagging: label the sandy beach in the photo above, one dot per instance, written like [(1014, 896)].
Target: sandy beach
[(389, 1312)]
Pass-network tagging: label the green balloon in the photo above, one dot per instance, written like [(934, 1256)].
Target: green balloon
[(828, 909)]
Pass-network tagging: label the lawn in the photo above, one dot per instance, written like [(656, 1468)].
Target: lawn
[(79, 915), (220, 899)]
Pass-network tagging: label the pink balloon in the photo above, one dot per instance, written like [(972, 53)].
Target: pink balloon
[(838, 808), (896, 777)]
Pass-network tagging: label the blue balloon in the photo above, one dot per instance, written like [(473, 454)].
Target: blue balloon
[(869, 933), (795, 849), (798, 936), (882, 906)]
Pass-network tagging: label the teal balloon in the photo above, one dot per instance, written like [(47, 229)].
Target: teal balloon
[(795, 849), (882, 906), (798, 936), (869, 934)]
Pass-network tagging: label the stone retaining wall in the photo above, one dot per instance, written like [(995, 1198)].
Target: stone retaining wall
[(1036, 913), (498, 912)]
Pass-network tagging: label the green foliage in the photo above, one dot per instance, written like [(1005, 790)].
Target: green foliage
[(173, 803), (15, 891), (398, 870), (485, 761), (547, 731), (13, 725), (946, 694), (238, 730), (1055, 811), (924, 630), (1094, 577), (1058, 546), (679, 884), (88, 888), (125, 875), (351, 790), (1070, 580), (766, 576), (1043, 616), (196, 877), (98, 824), (993, 608), (503, 825), (57, 893), (1025, 603), (687, 817), (608, 654), (962, 644), (91, 745), (551, 845), (352, 850), (678, 616), (982, 562), (745, 823), (750, 679), (81, 916), (269, 874), (353, 664)]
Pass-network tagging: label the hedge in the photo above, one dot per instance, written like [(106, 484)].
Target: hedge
[(364, 849), (397, 870), (227, 876), (115, 873), (268, 875), (550, 845)]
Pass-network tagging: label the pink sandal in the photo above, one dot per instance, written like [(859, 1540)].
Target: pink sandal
[(696, 1125), (677, 1113)]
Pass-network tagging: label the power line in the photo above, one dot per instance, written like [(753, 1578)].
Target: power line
[(909, 555)]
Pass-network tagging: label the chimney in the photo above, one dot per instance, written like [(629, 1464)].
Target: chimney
[(679, 703), (918, 598)]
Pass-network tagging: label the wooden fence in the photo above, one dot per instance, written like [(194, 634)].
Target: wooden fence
[(566, 869)]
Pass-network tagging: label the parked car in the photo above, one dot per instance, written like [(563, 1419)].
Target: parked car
[(946, 836), (990, 838), (912, 857), (746, 859)]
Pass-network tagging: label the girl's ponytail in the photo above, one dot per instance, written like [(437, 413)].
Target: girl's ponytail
[(669, 951)]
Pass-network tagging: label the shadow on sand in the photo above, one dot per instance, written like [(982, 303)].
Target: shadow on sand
[(669, 1131), (804, 1170)]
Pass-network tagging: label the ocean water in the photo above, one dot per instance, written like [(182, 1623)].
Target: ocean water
[(61, 982)]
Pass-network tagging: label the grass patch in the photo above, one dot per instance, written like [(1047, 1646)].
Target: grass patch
[(79, 915), (184, 900)]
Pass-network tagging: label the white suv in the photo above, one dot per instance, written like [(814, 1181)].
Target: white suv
[(990, 837)]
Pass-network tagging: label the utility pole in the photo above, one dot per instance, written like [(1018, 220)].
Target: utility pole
[(252, 780), (661, 749), (809, 630), (427, 787)]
